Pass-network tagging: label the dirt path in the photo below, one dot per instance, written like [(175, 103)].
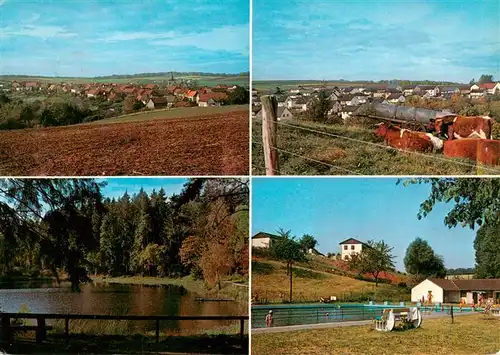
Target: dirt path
[(207, 145)]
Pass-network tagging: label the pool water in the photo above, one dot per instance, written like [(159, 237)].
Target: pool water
[(294, 314)]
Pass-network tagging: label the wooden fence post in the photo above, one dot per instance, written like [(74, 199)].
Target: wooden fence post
[(157, 331), (66, 330), (269, 129), (6, 330), (41, 331), (242, 333)]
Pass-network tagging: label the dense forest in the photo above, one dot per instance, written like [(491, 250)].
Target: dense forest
[(66, 225)]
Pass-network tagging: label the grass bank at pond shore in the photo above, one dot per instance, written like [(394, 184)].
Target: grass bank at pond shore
[(118, 344), (475, 334), (13, 279), (237, 290)]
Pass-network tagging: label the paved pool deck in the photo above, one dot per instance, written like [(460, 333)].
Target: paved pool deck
[(291, 328)]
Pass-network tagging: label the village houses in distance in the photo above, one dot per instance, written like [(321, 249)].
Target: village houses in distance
[(108, 99), (345, 100)]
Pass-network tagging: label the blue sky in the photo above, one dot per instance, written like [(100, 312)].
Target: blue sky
[(116, 187), (453, 40), (104, 37), (333, 210)]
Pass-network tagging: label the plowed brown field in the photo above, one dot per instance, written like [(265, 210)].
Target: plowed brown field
[(206, 145)]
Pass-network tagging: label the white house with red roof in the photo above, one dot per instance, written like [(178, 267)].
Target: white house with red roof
[(350, 247), (193, 96), (211, 99), (456, 291), (489, 88)]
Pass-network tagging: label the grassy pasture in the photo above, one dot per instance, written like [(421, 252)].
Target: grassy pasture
[(349, 157), (179, 112), (471, 334)]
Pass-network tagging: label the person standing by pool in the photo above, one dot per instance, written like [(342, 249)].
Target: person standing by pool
[(269, 319)]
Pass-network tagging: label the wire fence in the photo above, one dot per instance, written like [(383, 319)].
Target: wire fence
[(351, 171), (411, 152)]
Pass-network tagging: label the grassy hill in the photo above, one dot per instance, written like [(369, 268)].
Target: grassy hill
[(178, 112), (314, 279)]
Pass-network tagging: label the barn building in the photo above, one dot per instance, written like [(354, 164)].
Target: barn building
[(456, 291), (263, 240)]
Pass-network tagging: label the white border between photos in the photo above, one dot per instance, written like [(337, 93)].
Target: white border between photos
[(250, 66)]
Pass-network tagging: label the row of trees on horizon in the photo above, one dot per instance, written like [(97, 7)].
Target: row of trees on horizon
[(138, 75), (484, 78)]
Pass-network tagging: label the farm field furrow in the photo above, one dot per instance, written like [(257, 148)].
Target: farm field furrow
[(206, 145)]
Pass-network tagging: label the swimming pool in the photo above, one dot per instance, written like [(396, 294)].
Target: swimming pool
[(293, 314)]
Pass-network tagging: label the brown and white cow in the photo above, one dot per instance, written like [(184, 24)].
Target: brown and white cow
[(485, 151), (488, 152), (460, 127), (405, 139)]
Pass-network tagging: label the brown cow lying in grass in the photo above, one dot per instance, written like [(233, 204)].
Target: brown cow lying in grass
[(460, 127), (409, 140)]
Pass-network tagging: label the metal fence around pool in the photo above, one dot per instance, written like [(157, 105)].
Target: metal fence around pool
[(284, 315)]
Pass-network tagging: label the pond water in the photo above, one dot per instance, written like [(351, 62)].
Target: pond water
[(117, 299)]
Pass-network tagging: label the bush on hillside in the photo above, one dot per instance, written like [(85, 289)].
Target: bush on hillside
[(16, 115), (261, 252), (368, 279)]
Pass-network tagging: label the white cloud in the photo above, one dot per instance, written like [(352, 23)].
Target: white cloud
[(36, 31), (33, 18), (228, 38), (131, 36)]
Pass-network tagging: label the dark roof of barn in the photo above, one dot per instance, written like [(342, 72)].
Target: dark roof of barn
[(468, 285), (281, 109), (159, 100), (265, 235)]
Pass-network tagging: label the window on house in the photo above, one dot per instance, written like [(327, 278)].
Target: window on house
[(463, 293), (352, 247), (345, 247)]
